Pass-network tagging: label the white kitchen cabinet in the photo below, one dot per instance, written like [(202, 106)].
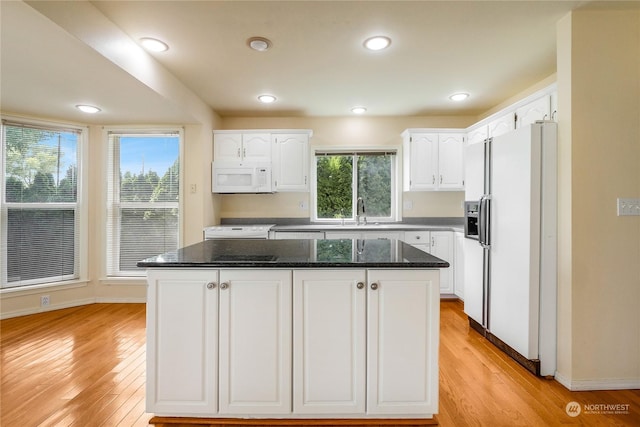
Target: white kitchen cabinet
[(450, 161), (420, 160), (439, 244), (182, 342), (329, 335), (402, 342), (290, 154), (442, 247), (239, 147), (503, 124), (419, 239), (458, 265), (539, 109), (255, 342), (477, 134), (432, 160)]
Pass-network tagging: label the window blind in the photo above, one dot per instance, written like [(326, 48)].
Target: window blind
[(142, 198), (40, 204)]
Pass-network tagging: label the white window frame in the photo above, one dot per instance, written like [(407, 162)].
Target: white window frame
[(81, 208), (396, 182), (110, 266)]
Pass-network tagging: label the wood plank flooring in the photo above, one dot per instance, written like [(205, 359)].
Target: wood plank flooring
[(85, 366)]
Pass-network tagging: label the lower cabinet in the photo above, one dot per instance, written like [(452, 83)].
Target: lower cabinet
[(182, 342), (329, 332), (302, 343), (441, 245), (255, 342), (402, 342)]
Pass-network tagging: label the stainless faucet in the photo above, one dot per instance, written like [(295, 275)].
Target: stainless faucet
[(360, 211)]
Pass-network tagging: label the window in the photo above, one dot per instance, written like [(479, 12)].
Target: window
[(143, 198), (342, 178), (40, 204)]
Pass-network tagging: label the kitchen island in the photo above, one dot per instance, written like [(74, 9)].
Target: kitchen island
[(293, 329)]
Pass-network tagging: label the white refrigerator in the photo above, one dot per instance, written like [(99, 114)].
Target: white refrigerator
[(510, 270)]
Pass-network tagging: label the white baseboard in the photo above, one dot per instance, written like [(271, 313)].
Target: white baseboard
[(600, 384), (129, 300), (35, 310)]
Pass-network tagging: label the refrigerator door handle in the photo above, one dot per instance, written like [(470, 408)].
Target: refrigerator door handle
[(484, 221)]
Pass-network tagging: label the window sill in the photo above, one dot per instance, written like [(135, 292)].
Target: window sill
[(123, 281), (37, 289)]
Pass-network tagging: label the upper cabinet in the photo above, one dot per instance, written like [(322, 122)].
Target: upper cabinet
[(290, 153), (432, 160), (539, 109), (285, 151), (502, 124), (241, 146)]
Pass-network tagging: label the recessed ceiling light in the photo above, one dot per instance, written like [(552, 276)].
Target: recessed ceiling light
[(259, 43), (358, 110), (459, 96), (377, 42), (88, 109), (267, 99), (154, 45)]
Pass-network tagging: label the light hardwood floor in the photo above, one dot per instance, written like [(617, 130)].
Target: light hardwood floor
[(85, 366)]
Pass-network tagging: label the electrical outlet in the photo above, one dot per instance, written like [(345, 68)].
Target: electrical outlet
[(303, 205), (194, 188), (628, 207), (44, 300)]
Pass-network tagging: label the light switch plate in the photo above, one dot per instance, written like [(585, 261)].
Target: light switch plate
[(628, 207)]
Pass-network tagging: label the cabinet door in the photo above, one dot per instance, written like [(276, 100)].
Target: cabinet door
[(255, 342), (402, 342), (424, 161), (291, 162), (442, 247), (535, 110), (256, 147), (227, 147), (502, 125), (458, 265), (450, 158), (478, 134), (329, 329), (182, 337)]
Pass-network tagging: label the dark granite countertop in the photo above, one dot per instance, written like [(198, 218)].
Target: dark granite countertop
[(299, 253)]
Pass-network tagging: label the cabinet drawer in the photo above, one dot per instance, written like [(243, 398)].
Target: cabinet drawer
[(417, 237)]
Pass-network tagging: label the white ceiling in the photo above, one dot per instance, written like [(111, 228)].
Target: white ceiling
[(316, 67)]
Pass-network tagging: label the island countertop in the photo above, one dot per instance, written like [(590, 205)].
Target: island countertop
[(298, 253)]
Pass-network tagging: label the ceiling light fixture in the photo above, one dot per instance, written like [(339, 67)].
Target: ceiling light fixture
[(259, 43), (358, 110), (459, 96), (154, 45), (267, 99), (90, 109), (377, 43)]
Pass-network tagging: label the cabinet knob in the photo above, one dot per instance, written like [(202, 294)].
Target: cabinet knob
[(224, 285), (417, 237), (211, 285), (360, 285), (374, 285)]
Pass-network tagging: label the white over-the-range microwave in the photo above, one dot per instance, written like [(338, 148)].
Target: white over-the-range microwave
[(241, 177)]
